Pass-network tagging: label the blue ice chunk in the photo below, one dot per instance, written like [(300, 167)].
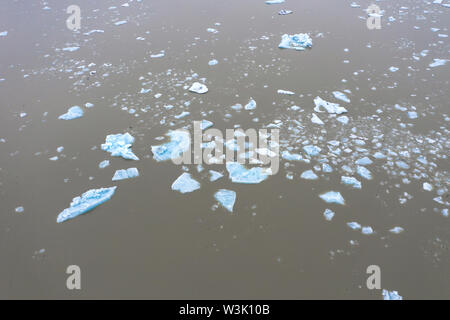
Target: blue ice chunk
[(206, 124), (180, 142), (412, 114), (236, 107), (19, 209), (341, 96), (74, 112), (213, 62), (103, 164), (332, 108), (379, 155), (333, 197), (393, 69), (402, 164), (297, 41), (226, 198), (125, 174), (326, 168), (119, 146), (285, 12), (185, 183), (251, 105), (364, 172), (396, 230), (367, 230), (274, 1), (239, 174), (391, 295), (312, 150), (291, 156), (363, 161), (309, 175), (215, 175), (119, 23), (343, 119), (315, 119), (3, 33), (354, 225), (328, 214), (351, 181), (198, 87), (182, 115), (438, 63), (88, 201)]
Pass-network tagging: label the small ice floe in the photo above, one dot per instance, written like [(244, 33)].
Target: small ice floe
[(391, 295), (212, 30), (182, 115), (158, 55), (119, 146), (312, 150), (286, 155), (214, 175), (438, 63), (60, 149), (226, 198), (343, 119), (364, 161), (309, 175), (332, 108), (198, 87), (364, 172), (412, 115), (427, 186), (332, 197), (88, 105), (354, 225), (299, 41), (289, 93), (315, 119), (206, 124), (251, 105), (274, 1), (285, 12), (185, 183), (3, 33), (239, 174), (19, 209), (328, 214), (93, 31), (367, 230), (393, 69), (402, 165), (55, 158), (351, 182), (341, 96), (121, 22), (103, 164), (23, 114), (445, 212), (180, 142), (71, 49), (213, 62), (125, 174), (397, 230), (88, 201), (74, 112)]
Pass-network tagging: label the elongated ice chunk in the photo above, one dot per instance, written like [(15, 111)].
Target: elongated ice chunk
[(363, 161), (354, 225), (179, 143), (103, 164), (198, 87), (74, 112), (341, 96), (226, 198), (333, 197), (391, 295), (119, 146), (309, 175), (364, 172), (274, 1), (351, 181), (396, 230), (291, 156), (297, 41), (332, 108), (284, 12), (88, 201), (438, 63), (239, 174), (312, 150), (185, 183), (125, 174)]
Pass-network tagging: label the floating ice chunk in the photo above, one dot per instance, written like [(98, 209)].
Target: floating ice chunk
[(427, 186), (251, 105), (297, 41), (291, 156), (88, 105), (213, 62), (214, 175), (412, 114), (333, 197), (289, 93), (391, 295), (239, 174), (354, 225), (158, 55), (438, 63), (328, 214), (23, 114), (396, 230), (364, 172), (88, 201), (351, 182), (315, 119), (236, 107), (182, 115), (274, 1), (206, 124), (326, 168), (364, 161), (119, 146), (60, 149), (333, 108), (379, 155), (119, 23), (103, 164), (285, 12), (180, 142), (393, 69), (19, 209), (198, 87), (71, 49), (402, 165), (125, 174), (354, 5), (445, 212), (212, 30), (367, 230), (74, 112), (312, 150), (3, 33), (341, 96), (343, 119), (185, 183), (309, 175), (226, 198)]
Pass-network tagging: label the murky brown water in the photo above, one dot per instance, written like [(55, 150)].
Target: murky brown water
[(151, 242)]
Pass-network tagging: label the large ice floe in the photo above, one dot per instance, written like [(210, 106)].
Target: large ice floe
[(125, 174), (198, 87), (332, 108), (333, 197), (185, 183), (299, 41), (239, 174), (119, 146), (180, 142), (88, 201), (74, 112), (226, 198)]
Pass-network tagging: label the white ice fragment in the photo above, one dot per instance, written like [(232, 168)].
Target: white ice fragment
[(198, 87), (290, 93), (341, 96), (284, 12), (206, 124), (119, 146), (251, 105), (391, 295), (214, 175), (125, 174), (351, 181), (364, 172), (364, 161), (332, 108), (396, 230), (185, 183), (328, 214), (427, 186), (226, 198), (312, 150), (119, 23), (74, 112), (274, 1), (333, 197), (367, 230), (297, 41), (309, 175), (19, 209), (213, 62), (438, 63), (315, 119), (103, 164), (239, 174), (180, 142)]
